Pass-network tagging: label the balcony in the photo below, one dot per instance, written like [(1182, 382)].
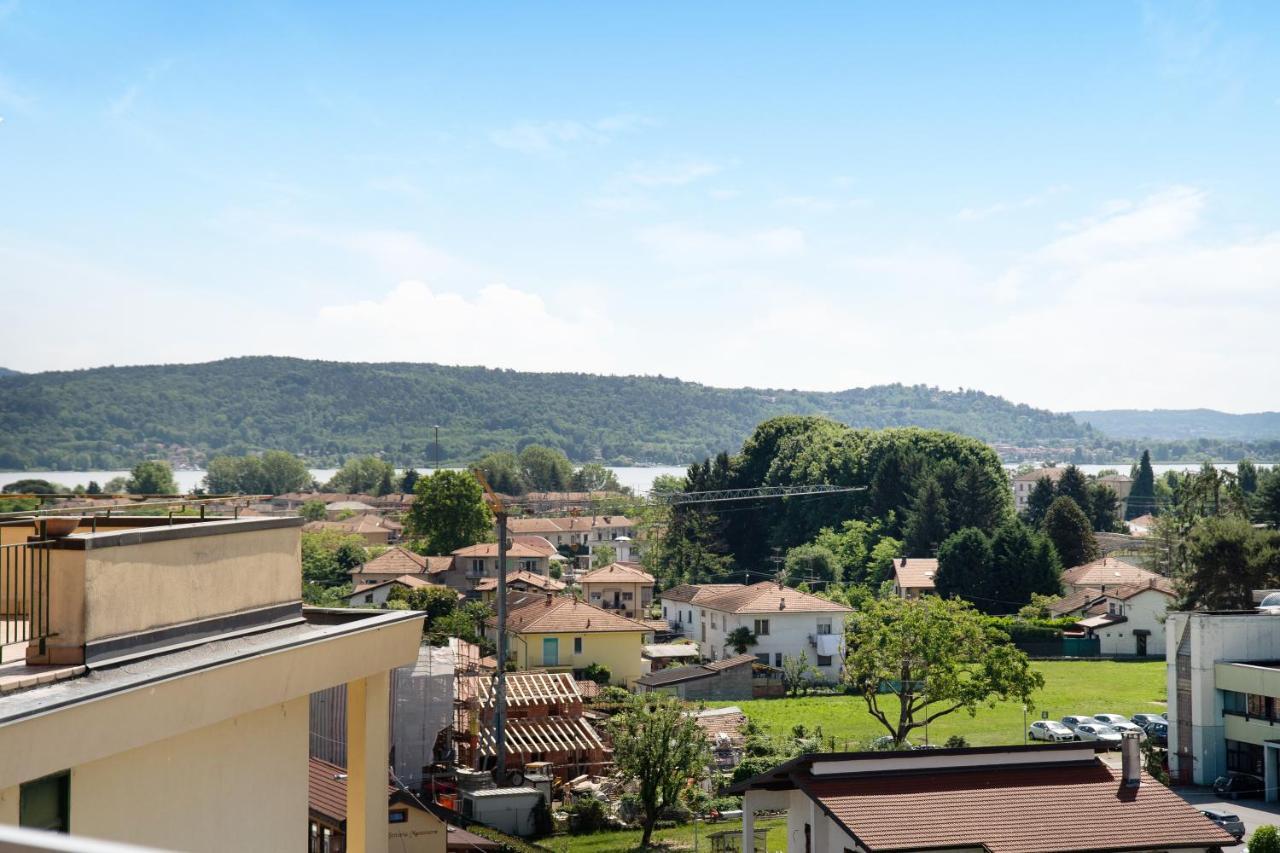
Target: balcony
[(24, 598)]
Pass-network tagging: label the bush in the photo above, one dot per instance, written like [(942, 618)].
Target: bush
[(588, 815), (956, 742), (1265, 839), (597, 672)]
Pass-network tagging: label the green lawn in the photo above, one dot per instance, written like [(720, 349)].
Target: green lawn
[(1071, 687), (677, 838)]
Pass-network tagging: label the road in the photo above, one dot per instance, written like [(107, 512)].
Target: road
[(1254, 813)]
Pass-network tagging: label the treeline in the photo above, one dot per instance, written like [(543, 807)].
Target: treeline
[(326, 412)]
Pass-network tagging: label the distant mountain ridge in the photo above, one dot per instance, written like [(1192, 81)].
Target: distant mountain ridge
[(1183, 424), (112, 416)]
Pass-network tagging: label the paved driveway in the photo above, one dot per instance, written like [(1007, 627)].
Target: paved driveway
[(1254, 813)]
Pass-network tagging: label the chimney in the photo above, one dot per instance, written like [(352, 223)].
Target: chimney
[(904, 561), (1130, 760), (548, 598)]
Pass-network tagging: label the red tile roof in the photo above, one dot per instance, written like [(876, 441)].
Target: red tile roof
[(1076, 601), (770, 597), (617, 573), (1159, 584), (1107, 571), (546, 614), (528, 579), (915, 572), (401, 561), (697, 593), (490, 549), (1015, 810), (1054, 474)]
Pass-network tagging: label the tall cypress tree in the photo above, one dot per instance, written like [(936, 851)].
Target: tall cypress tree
[(1068, 528), (965, 569), (1038, 502), (1073, 484), (1142, 497), (926, 525)]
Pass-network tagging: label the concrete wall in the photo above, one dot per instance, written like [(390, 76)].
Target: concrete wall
[(731, 684), (237, 785)]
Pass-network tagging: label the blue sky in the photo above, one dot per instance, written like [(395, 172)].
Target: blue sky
[(1071, 205)]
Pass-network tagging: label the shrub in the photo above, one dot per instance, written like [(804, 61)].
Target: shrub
[(588, 815), (597, 672), (956, 742), (1265, 839)]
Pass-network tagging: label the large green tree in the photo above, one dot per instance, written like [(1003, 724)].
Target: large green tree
[(662, 750), (1075, 485), (545, 469), (361, 476), (1024, 564), (965, 569), (273, 473), (1266, 501), (1226, 559), (594, 477), (1069, 530), (914, 661), (927, 523), (813, 564), (154, 477), (1142, 496), (1103, 507), (449, 512), (1039, 501), (501, 470)]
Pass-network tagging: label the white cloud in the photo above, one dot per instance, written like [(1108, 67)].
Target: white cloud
[(688, 244), (545, 137), (1161, 218), (977, 214), (669, 174)]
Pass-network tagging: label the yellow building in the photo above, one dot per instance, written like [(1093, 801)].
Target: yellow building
[(622, 587), (559, 633), (162, 699)]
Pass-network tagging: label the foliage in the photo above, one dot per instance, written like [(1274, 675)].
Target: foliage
[(151, 478), (1265, 839), (1103, 507), (318, 595), (1069, 530), (438, 602), (797, 673), (1073, 484), (690, 550), (273, 473), (1226, 559), (545, 469), (502, 472), (385, 486), (361, 476), (408, 480), (1039, 501), (956, 742), (740, 639), (35, 486), (449, 512), (594, 477), (313, 511), (658, 746), (603, 555), (926, 525), (329, 556), (1142, 495), (1266, 501), (810, 564), (1025, 565), (965, 568), (588, 814), (597, 672), (934, 656)]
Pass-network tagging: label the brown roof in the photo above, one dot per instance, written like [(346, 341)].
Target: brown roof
[(915, 572), (567, 523), (1054, 474), (1003, 810), (617, 573), (401, 561), (537, 543), (490, 549), (697, 593), (411, 581), (532, 579), (771, 597), (1159, 584), (715, 721), (729, 663), (588, 689), (327, 789), (1076, 601), (545, 614), (1107, 571)]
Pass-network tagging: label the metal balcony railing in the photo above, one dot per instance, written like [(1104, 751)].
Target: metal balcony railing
[(24, 597)]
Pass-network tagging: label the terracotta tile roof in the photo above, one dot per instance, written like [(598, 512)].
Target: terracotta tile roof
[(1107, 571), (728, 721), (915, 572), (545, 614), (617, 573), (697, 593), (537, 543), (1015, 810), (729, 663), (567, 523), (588, 689), (401, 561), (1076, 601), (770, 597), (1159, 584), (490, 549), (326, 792), (1054, 474), (529, 579), (411, 581)]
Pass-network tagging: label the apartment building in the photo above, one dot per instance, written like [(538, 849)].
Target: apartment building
[(165, 682), (624, 587)]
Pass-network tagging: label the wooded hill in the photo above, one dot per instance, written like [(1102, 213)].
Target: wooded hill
[(326, 411)]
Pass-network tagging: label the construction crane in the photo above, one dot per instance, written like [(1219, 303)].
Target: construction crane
[(501, 510)]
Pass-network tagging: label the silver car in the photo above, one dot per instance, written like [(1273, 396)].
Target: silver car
[(1228, 821), (1050, 730), (1120, 724), (1073, 721), (1099, 732)]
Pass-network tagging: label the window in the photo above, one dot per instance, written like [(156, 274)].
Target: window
[(46, 803), (763, 657), (477, 567), (577, 645), (704, 632), (595, 596), (398, 816), (368, 599), (824, 625), (777, 659), (626, 596), (824, 660), (690, 617), (1257, 705), (713, 621), (529, 566), (664, 612), (1234, 702), (762, 628), (1244, 757)]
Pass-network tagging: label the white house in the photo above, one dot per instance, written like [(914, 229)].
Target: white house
[(1024, 483), (785, 622), (1129, 620)]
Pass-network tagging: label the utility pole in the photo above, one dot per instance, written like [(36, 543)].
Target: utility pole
[(500, 697)]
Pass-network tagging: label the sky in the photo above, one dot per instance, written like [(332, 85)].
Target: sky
[(1072, 205)]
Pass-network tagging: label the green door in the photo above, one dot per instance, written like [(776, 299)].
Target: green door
[(550, 651)]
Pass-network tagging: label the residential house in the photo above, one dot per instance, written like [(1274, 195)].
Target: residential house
[(474, 563), (1023, 484), (563, 501), (169, 666), (397, 562), (1142, 526), (573, 531), (784, 621), (545, 724), (337, 510), (376, 593), (913, 576), (373, 529), (1122, 485), (559, 633), (1128, 620), (679, 605), (1106, 573), (623, 549), (722, 680), (1224, 696), (992, 799), (624, 587), (518, 581)]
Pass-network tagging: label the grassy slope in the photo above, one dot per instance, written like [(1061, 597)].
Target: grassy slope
[(1071, 687)]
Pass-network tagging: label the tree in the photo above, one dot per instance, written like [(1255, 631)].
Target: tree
[(115, 486), (1226, 559), (1075, 485), (603, 555), (594, 477), (1069, 530), (283, 472), (449, 512), (1103, 507), (1024, 565), (502, 472), (797, 673), (360, 475), (328, 557), (965, 569), (1247, 476), (151, 478), (978, 500), (385, 486), (1267, 498), (690, 550), (891, 487), (1265, 839), (740, 639), (811, 564), (545, 469), (408, 481), (926, 525), (932, 656), (313, 511), (1142, 497), (94, 488), (435, 601), (1039, 501), (597, 672), (274, 472), (659, 747)]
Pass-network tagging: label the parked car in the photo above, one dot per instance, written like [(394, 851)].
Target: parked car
[(1119, 723), (1073, 721), (1050, 730), (1238, 786), (1144, 720), (1158, 733), (1228, 821), (1099, 732)]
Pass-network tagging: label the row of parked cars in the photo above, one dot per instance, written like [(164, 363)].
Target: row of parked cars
[(1106, 729)]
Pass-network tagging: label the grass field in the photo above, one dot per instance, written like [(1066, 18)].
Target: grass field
[(676, 838), (1071, 687)]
